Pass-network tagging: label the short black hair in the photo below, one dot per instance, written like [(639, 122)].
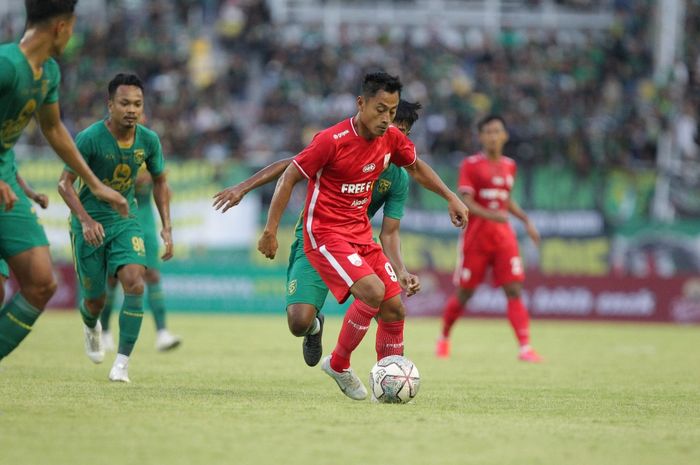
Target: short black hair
[(123, 79), (374, 82), (488, 119), (407, 112), (42, 10)]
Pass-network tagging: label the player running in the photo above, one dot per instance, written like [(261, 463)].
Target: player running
[(165, 340), (342, 164), (29, 79), (485, 182), (105, 244), (306, 291)]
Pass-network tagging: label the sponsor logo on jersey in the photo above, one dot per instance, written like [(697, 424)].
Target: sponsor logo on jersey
[(359, 203), (341, 134), (356, 188), (355, 259), (498, 181), (368, 168), (509, 180), (493, 194), (383, 186)]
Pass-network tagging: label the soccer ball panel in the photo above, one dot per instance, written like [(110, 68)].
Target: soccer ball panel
[(394, 380)]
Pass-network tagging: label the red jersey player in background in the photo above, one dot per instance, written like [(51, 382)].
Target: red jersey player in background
[(342, 163), (485, 182)]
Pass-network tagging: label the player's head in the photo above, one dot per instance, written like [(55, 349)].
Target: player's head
[(125, 100), (56, 17), (493, 134), (406, 115), (378, 102)]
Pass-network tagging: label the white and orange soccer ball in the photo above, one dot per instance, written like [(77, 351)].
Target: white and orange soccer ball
[(394, 380)]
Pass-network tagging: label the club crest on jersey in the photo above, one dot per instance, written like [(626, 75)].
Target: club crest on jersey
[(355, 259), (292, 287), (369, 168), (139, 156), (498, 181), (383, 186)]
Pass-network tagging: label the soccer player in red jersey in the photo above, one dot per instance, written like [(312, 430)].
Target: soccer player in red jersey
[(485, 182), (342, 163)]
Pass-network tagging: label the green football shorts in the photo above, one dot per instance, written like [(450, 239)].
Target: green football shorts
[(20, 229), (144, 214), (123, 245), (304, 285), (4, 270)]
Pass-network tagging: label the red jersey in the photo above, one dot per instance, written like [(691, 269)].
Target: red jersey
[(489, 183), (341, 168)]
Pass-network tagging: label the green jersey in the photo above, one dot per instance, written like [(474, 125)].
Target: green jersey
[(116, 166), (390, 191), (21, 94)]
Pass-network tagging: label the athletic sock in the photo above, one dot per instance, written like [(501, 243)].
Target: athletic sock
[(389, 338), (16, 320), (89, 319), (355, 326), (109, 305), (156, 302), (453, 309), (519, 320), (315, 327), (130, 319)]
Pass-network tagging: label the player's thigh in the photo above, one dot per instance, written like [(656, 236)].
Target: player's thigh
[(304, 285), (340, 266), (471, 268), (90, 266), (508, 266), (374, 255), (126, 247), (20, 229), (392, 309)]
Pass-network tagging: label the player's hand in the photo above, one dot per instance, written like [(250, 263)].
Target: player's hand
[(409, 283), (267, 245), (229, 197), (93, 232), (532, 231), (499, 216), (114, 198), (7, 196), (42, 200), (167, 236), (459, 213)]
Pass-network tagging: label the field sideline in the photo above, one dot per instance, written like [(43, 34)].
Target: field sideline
[(238, 392)]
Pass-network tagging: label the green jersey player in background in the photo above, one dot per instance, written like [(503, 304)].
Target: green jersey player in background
[(165, 340), (29, 80), (306, 291), (105, 244)]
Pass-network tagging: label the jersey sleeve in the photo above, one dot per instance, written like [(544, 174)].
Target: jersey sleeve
[(55, 81), (397, 196), (316, 155), (465, 183), (85, 148), (403, 152), (155, 163)]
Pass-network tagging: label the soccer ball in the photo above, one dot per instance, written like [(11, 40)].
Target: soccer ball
[(394, 380)]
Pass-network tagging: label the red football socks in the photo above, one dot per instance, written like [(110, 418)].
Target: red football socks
[(519, 320), (389, 338), (355, 326), (453, 309)]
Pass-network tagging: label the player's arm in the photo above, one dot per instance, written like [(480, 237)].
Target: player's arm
[(162, 195), (232, 196), (530, 227), (498, 216), (428, 178), (267, 245), (391, 244), (93, 232), (61, 141), (41, 199)]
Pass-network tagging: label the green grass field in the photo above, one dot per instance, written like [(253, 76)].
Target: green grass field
[(238, 392)]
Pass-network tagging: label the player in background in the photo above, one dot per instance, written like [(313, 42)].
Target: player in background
[(165, 340), (342, 163), (29, 80), (43, 201), (306, 291), (105, 244), (485, 182)]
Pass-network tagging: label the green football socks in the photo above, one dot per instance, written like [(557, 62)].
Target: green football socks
[(89, 319), (130, 320), (107, 310), (16, 320), (156, 302)]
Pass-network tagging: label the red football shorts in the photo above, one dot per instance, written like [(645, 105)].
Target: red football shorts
[(502, 257), (341, 264)]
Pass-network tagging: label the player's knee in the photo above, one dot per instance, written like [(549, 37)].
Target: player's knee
[(392, 311), (152, 276), (463, 295), (374, 295), (512, 292), (300, 318), (42, 289), (95, 305)]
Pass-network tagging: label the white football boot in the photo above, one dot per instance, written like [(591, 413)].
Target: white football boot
[(93, 343), (165, 340), (107, 341), (347, 381), (120, 369)]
